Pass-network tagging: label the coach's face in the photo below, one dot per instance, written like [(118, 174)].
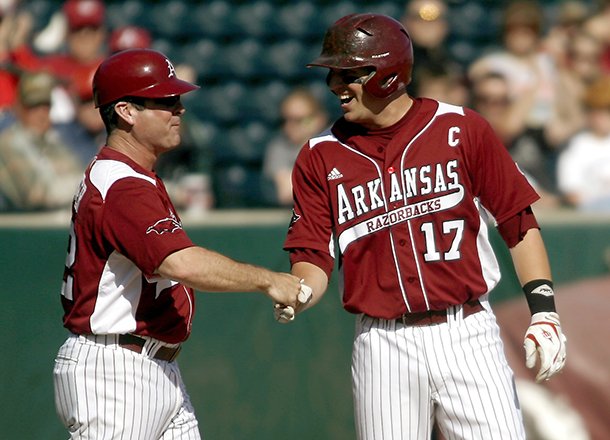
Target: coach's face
[(358, 106), (158, 123)]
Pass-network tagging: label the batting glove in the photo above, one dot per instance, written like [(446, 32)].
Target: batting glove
[(544, 337), (305, 294), (285, 314)]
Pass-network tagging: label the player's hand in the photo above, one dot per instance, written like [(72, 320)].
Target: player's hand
[(285, 314), (283, 288), (545, 340)]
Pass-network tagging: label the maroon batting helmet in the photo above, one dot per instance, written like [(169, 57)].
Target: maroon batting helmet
[(370, 40), (143, 73)]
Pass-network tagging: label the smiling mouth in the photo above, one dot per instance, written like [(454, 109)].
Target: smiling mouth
[(345, 99)]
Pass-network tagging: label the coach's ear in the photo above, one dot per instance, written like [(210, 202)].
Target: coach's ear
[(126, 111)]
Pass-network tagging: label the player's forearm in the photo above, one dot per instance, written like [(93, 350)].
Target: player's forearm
[(530, 258), (314, 277), (209, 271)]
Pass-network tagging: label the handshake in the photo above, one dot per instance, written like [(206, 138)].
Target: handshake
[(285, 314)]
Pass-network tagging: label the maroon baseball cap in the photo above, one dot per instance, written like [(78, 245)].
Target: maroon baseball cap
[(84, 13), (143, 73)]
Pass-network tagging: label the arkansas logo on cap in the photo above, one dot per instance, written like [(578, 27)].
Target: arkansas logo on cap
[(171, 68)]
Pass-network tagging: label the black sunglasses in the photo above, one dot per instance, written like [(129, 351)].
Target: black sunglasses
[(349, 76), (169, 101)]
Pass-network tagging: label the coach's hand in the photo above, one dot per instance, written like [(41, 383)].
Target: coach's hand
[(544, 337), (285, 314)]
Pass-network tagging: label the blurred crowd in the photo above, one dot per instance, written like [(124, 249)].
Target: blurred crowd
[(544, 88)]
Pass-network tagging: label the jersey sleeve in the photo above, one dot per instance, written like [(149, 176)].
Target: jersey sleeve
[(497, 181), (141, 226), (514, 229), (311, 224)]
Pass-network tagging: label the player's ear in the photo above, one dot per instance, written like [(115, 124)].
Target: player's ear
[(125, 111)]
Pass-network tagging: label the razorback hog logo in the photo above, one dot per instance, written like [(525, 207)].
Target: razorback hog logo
[(162, 226)]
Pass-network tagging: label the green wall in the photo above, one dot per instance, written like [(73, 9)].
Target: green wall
[(248, 377)]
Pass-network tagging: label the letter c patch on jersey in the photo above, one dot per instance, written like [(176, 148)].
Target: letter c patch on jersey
[(452, 136)]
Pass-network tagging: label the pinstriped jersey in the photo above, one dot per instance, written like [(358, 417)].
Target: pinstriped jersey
[(407, 208), (123, 226)]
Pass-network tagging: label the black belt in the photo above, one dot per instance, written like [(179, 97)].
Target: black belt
[(432, 317), (136, 343)]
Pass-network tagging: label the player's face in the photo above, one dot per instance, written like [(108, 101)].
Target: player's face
[(159, 123), (358, 106)]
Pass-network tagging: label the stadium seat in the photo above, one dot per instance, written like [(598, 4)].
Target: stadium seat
[(335, 10), (129, 12), (285, 59), (256, 19), (392, 9), (244, 143), (299, 19), (203, 55), (239, 186), (221, 102), (243, 59), (467, 20), (167, 18), (40, 10), (463, 50), (263, 101), (210, 19)]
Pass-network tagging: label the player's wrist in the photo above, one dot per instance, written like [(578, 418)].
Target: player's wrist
[(545, 317), (540, 296)]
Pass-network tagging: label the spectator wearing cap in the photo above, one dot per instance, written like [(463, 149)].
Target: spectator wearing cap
[(85, 47), (129, 37), (37, 172), (583, 171)]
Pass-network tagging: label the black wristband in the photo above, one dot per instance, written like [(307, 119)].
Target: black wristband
[(540, 296)]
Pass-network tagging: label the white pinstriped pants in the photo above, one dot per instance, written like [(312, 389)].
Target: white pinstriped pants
[(455, 373), (103, 391)]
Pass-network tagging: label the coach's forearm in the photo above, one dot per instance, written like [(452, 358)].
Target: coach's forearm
[(530, 258), (206, 270)]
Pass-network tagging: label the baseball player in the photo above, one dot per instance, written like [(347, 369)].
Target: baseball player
[(131, 269), (403, 187)]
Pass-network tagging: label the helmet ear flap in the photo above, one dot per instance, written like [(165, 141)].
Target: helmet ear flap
[(384, 87)]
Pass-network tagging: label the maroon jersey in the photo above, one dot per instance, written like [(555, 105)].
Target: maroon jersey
[(408, 208), (123, 226)]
